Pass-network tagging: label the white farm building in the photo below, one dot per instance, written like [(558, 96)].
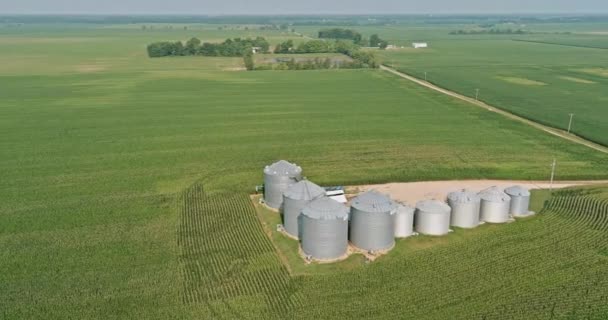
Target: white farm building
[(419, 45)]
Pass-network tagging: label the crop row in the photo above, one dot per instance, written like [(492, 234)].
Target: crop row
[(224, 253)]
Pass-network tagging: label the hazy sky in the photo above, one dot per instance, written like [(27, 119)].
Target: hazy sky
[(301, 6)]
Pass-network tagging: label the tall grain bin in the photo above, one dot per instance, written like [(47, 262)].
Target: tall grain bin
[(520, 201), (278, 177), (324, 229), (465, 209), (372, 225), (294, 200), (404, 221), (495, 205), (432, 218)]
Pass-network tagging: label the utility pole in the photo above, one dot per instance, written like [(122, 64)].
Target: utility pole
[(570, 124), (552, 174), (477, 94)]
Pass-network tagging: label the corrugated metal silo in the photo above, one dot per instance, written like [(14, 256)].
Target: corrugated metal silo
[(465, 209), (372, 225), (294, 200), (494, 205), (432, 218), (520, 201), (278, 177), (404, 221), (324, 229)]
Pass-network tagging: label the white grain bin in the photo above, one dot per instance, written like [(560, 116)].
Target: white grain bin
[(278, 177), (294, 200), (495, 205), (404, 221), (324, 229), (520, 201), (465, 209), (372, 225), (432, 218)]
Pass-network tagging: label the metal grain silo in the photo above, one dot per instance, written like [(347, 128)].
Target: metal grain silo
[(324, 229), (372, 225), (465, 209), (294, 200), (278, 177), (520, 201), (432, 218), (404, 221), (495, 205)]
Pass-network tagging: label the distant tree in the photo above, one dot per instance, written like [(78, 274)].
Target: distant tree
[(374, 40), (192, 46), (383, 44), (249, 63)]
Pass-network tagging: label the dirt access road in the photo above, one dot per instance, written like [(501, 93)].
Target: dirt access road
[(412, 192), (556, 132)]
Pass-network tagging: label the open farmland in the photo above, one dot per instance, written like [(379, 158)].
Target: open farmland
[(125, 181), (540, 81)]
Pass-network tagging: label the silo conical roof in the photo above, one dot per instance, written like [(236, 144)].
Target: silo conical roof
[(494, 194), (433, 206), (283, 167), (517, 191), (374, 202), (326, 209), (304, 190), (463, 196)]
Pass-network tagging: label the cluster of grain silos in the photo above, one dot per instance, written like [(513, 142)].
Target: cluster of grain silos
[(325, 226)]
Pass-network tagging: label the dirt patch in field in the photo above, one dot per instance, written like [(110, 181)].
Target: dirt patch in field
[(602, 72), (89, 68), (522, 81), (412, 192), (578, 80)]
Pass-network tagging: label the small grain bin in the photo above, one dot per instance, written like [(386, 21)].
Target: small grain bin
[(372, 225), (465, 209), (520, 201), (324, 229), (278, 177), (494, 205), (294, 200), (432, 218), (404, 221)]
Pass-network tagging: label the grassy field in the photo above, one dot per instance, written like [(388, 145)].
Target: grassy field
[(544, 82), (125, 182)]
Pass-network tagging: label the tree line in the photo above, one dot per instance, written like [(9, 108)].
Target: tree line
[(229, 48), (361, 59), (311, 64), (489, 31), (356, 37)]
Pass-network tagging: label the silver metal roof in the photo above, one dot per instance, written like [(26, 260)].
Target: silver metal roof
[(373, 202), (304, 190), (326, 209), (517, 191), (433, 206), (463, 196), (494, 194), (283, 167)]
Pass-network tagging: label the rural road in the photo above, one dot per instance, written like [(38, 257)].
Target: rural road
[(556, 132)]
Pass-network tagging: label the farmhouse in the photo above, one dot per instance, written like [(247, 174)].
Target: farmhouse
[(419, 45)]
